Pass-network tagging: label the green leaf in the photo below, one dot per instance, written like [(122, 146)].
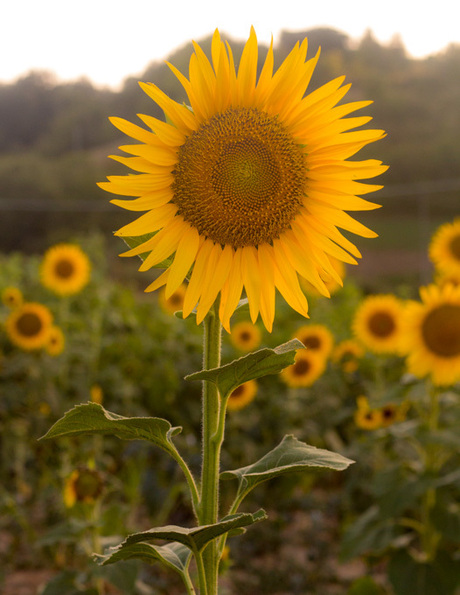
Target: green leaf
[(249, 367), (290, 455), (174, 555), (92, 418), (195, 538), (135, 241), (369, 534)]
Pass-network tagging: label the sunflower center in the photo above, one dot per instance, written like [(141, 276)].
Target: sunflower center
[(301, 367), (381, 324), (455, 247), (237, 392), (312, 342), (441, 331), (245, 336), (29, 325), (240, 178), (64, 269)]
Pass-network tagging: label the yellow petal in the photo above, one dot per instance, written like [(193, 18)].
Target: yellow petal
[(159, 282), (147, 202), (166, 243), (183, 261), (149, 222), (195, 286), (217, 272), (251, 279), (231, 291)]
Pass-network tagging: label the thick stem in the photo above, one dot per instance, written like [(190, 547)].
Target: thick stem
[(212, 440)]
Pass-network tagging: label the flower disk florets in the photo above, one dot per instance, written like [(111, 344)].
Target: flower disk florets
[(240, 178)]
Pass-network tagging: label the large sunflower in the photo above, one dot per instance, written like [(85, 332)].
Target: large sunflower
[(444, 248), (377, 323), (28, 326), (248, 187), (65, 269), (432, 334)]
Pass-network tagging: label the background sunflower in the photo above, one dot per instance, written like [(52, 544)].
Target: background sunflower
[(307, 368), (28, 325), (65, 269), (444, 248), (377, 323)]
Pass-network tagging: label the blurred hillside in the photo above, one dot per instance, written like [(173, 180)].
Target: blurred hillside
[(54, 138)]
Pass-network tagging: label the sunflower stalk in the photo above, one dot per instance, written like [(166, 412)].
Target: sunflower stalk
[(212, 436)]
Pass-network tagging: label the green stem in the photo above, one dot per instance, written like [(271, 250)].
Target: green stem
[(430, 537), (212, 433)]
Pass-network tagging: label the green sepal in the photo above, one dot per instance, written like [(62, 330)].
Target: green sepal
[(195, 538), (92, 418), (249, 367), (289, 456), (135, 241)]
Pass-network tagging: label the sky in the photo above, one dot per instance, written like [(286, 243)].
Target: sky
[(109, 40)]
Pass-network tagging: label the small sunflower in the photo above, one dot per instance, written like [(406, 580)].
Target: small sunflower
[(12, 297), (432, 334), (248, 187), (242, 395), (56, 341), (444, 248), (28, 325), (83, 485), (65, 269), (175, 302), (347, 354), (366, 417), (377, 323), (306, 369), (245, 336), (316, 337), (392, 413)]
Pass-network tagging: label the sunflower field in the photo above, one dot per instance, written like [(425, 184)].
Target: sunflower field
[(247, 323)]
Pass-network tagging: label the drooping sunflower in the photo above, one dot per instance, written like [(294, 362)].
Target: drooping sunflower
[(56, 341), (28, 325), (247, 189), (306, 369), (174, 302), (65, 269), (432, 334), (377, 323), (444, 248), (245, 336), (12, 297), (242, 395), (347, 354), (316, 337), (83, 485)]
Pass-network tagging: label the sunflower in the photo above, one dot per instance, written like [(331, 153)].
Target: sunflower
[(432, 334), (175, 302), (247, 189), (83, 485), (245, 336), (392, 413), (307, 368), (28, 325), (316, 337), (442, 278), (12, 297), (377, 323), (366, 417), (65, 269), (347, 354), (444, 248), (56, 341), (242, 395)]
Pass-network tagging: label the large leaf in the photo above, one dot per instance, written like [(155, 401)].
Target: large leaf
[(195, 538), (249, 367), (174, 555), (290, 455), (135, 241), (92, 418)]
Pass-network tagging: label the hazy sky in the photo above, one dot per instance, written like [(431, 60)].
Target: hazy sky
[(107, 40)]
